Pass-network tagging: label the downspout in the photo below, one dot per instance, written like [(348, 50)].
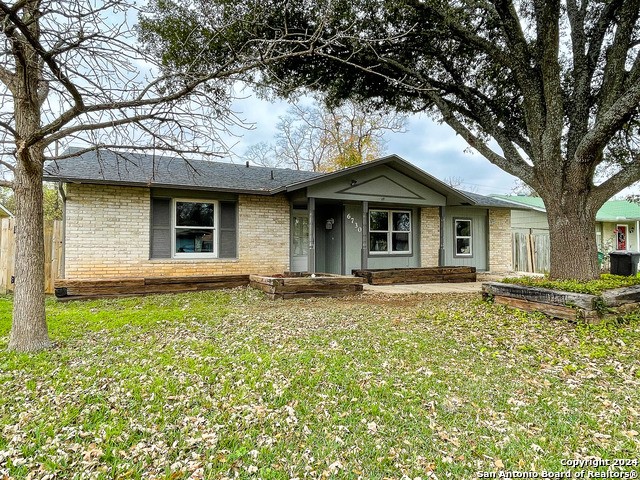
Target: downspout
[(64, 228), (311, 261), (364, 249), (441, 246)]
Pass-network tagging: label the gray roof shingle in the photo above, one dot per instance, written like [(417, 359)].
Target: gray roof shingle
[(483, 201), (162, 171)]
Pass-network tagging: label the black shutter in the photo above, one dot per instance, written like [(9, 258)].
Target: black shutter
[(228, 230), (160, 228)]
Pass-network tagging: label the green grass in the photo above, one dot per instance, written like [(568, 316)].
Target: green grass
[(593, 287), (225, 384)]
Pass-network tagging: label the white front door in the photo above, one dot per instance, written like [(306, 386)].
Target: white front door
[(299, 241)]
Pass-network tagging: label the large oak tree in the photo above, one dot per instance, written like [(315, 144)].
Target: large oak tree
[(547, 90)]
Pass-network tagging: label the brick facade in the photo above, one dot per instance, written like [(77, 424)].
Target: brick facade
[(429, 236), (500, 240), (107, 235)]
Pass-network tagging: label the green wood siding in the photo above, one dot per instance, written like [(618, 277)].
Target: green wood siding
[(479, 219)]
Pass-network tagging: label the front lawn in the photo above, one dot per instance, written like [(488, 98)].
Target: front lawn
[(229, 385)]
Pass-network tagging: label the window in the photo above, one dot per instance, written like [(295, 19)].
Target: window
[(463, 240), (389, 232), (194, 228)]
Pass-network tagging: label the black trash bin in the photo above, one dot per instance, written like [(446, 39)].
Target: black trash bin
[(624, 262)]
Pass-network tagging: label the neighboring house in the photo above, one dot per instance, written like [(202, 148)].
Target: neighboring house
[(4, 213), (617, 222), (143, 215)]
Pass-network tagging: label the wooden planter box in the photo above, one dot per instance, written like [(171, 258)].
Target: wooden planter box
[(113, 287), (390, 276), (303, 285), (561, 304)]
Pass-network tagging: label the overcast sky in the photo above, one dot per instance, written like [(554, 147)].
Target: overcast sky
[(428, 145)]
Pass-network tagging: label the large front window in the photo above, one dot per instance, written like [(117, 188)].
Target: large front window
[(194, 228), (389, 232)]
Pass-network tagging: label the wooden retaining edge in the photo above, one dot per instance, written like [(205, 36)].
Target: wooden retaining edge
[(621, 296), (389, 276), (565, 305), (540, 295), (126, 286), (306, 286), (319, 279)]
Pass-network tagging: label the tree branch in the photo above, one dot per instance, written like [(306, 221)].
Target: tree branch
[(12, 16), (7, 77), (620, 180), (614, 69), (515, 166), (608, 123), (129, 148)]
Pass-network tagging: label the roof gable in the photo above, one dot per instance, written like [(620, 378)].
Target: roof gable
[(394, 162), (381, 183)]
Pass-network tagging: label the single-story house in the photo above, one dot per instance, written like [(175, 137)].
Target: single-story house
[(144, 215), (617, 221)]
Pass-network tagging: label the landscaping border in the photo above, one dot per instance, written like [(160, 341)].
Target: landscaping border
[(393, 276), (304, 285), (118, 287), (563, 304)]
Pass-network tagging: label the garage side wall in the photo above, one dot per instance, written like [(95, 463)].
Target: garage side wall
[(107, 234)]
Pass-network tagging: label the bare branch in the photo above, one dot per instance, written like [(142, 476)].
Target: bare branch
[(608, 123), (620, 180)]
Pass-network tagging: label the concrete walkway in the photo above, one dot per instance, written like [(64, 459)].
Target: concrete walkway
[(467, 287)]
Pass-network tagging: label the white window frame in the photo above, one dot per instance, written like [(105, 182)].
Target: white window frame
[(390, 232), (456, 237), (215, 228)]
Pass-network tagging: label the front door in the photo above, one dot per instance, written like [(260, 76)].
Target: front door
[(299, 241), (622, 237)]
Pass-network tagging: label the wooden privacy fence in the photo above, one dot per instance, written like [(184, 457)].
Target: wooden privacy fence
[(52, 253), (531, 252)]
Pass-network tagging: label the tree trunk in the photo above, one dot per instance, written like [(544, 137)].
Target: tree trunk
[(572, 234), (29, 327)]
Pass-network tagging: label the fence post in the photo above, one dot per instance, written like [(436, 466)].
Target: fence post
[(52, 254)]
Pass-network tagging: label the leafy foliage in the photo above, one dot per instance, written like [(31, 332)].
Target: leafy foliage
[(52, 204)]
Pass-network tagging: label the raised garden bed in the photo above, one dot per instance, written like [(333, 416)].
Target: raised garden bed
[(117, 287), (564, 304), (305, 285), (390, 276)]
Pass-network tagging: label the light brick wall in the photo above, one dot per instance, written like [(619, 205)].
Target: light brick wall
[(429, 236), (107, 235), (500, 240)]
